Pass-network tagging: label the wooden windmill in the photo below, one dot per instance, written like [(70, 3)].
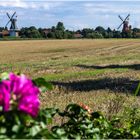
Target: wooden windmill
[(125, 23), (13, 31)]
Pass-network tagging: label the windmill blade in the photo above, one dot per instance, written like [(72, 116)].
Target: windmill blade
[(8, 15), (7, 23), (120, 26), (13, 15), (120, 18), (127, 17)]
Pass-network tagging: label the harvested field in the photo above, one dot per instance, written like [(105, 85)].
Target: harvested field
[(95, 72)]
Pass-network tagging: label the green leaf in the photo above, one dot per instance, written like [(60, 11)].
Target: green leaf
[(41, 82), (96, 114), (17, 119), (5, 76), (78, 137), (60, 131), (1, 108), (34, 130), (2, 130), (96, 130), (137, 90), (16, 128)]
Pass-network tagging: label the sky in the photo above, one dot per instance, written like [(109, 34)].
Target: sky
[(76, 14)]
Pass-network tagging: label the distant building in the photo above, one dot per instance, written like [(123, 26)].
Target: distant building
[(137, 35), (46, 31), (4, 33), (14, 33), (78, 35)]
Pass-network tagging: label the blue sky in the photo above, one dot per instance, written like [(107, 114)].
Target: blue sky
[(74, 14)]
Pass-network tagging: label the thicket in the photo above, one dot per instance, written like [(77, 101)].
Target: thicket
[(59, 32)]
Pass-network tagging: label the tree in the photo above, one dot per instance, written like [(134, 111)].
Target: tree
[(86, 32), (60, 26), (53, 28), (34, 33), (51, 35), (42, 33), (59, 34), (2, 28), (109, 33), (117, 34), (127, 34), (109, 30), (100, 29), (137, 30), (136, 33), (30, 32)]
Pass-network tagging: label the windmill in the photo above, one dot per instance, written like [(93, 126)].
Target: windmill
[(13, 27), (125, 23)]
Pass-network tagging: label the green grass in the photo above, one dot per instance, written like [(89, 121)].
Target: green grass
[(73, 75), (82, 74)]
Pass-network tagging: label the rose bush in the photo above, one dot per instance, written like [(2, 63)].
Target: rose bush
[(22, 117)]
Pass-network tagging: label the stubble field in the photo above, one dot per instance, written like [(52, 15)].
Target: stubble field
[(103, 74)]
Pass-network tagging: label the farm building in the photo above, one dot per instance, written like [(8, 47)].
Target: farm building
[(46, 31), (4, 33), (78, 35)]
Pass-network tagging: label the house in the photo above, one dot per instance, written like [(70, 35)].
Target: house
[(46, 31), (4, 33), (78, 35)]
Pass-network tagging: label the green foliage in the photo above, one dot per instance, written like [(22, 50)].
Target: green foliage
[(81, 125), (94, 35), (137, 90), (30, 32), (78, 123), (51, 35), (59, 32), (43, 84), (127, 34), (15, 124), (60, 27), (100, 29), (42, 33), (117, 34)]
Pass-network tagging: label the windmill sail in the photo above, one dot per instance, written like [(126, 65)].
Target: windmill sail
[(13, 27), (12, 20), (125, 23)]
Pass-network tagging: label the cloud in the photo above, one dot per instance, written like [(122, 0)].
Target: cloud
[(75, 14), (30, 4), (15, 3), (112, 8)]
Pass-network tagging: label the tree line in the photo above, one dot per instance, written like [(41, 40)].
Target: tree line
[(59, 32)]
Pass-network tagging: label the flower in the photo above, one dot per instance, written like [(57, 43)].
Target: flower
[(26, 94), (5, 95), (86, 107), (20, 91), (29, 105)]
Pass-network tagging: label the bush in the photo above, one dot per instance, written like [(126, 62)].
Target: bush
[(21, 116)]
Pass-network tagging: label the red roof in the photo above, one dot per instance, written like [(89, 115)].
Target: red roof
[(78, 35), (4, 33), (46, 31)]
